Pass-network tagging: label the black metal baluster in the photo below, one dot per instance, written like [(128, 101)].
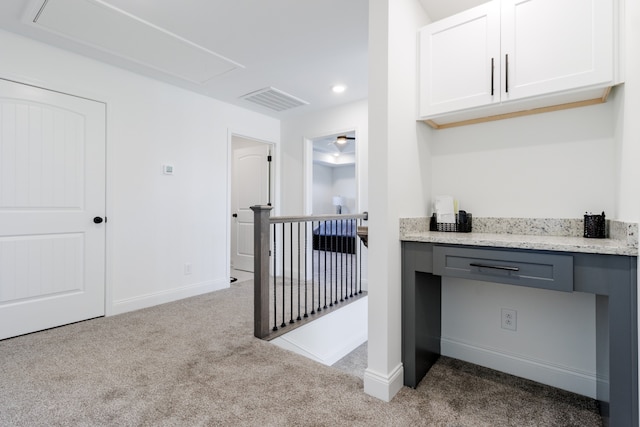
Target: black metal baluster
[(335, 256), (349, 268), (306, 248), (331, 255), (275, 282), (345, 273), (291, 270), (360, 275), (325, 266), (342, 240), (299, 318), (284, 291), (347, 258), (319, 270), (352, 255), (313, 278)]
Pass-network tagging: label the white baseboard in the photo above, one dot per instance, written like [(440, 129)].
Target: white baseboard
[(162, 297), (383, 387), (563, 377)]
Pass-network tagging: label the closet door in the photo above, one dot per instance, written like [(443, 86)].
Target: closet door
[(52, 207)]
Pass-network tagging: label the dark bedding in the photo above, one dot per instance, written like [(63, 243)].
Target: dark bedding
[(335, 236)]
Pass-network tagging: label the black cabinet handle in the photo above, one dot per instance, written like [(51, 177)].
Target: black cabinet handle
[(495, 267), (97, 220), (492, 76), (506, 73)]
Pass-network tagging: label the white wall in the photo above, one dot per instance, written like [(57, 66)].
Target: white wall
[(552, 165), (295, 130), (344, 184), (399, 163), (322, 190), (156, 222), (329, 181), (627, 124)]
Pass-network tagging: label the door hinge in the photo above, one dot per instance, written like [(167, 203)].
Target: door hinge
[(269, 158)]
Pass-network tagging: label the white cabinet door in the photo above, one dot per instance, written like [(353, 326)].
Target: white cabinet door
[(52, 186), (456, 57), (555, 45)]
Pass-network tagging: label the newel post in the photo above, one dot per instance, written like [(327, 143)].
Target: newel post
[(261, 234)]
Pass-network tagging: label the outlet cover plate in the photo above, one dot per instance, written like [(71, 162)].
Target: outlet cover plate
[(509, 319)]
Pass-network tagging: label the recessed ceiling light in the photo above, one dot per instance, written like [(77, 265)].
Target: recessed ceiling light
[(338, 88)]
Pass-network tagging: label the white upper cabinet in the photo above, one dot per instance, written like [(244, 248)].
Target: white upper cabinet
[(555, 45), (460, 61), (511, 55)]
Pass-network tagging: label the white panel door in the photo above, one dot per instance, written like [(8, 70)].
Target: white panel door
[(460, 61), (52, 186), (550, 45), (250, 187)]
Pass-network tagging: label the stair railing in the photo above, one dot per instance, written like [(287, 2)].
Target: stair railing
[(303, 266)]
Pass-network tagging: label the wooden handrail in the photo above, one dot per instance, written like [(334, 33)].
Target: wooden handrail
[(326, 217)]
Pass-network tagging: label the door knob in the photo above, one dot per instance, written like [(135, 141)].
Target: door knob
[(97, 220), (235, 215)]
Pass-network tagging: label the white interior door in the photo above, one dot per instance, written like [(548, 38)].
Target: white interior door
[(52, 186), (250, 186)]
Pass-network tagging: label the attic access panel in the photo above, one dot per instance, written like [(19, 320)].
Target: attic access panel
[(97, 24)]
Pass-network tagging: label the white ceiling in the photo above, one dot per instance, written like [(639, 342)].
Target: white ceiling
[(239, 46), (326, 144), (327, 152), (439, 9)]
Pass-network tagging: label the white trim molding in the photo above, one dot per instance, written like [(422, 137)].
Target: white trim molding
[(563, 377), (170, 295), (383, 387)]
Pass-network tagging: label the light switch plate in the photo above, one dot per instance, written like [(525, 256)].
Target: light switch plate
[(167, 169)]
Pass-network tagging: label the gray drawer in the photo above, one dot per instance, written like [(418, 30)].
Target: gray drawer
[(533, 269)]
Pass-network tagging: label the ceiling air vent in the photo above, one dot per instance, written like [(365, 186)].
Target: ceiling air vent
[(274, 99)]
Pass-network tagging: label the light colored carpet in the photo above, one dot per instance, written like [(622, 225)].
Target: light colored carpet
[(355, 362), (195, 363)]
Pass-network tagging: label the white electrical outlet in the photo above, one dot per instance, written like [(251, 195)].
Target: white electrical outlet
[(509, 319), (187, 268)]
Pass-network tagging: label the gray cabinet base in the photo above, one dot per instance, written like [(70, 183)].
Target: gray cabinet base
[(612, 278)]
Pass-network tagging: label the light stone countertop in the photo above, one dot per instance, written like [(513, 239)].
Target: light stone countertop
[(538, 234)]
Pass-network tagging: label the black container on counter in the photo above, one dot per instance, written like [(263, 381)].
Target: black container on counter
[(595, 226), (462, 224)]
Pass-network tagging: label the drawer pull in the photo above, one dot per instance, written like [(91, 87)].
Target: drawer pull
[(495, 267)]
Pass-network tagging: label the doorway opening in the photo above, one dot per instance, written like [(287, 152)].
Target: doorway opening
[(252, 170), (332, 185)]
